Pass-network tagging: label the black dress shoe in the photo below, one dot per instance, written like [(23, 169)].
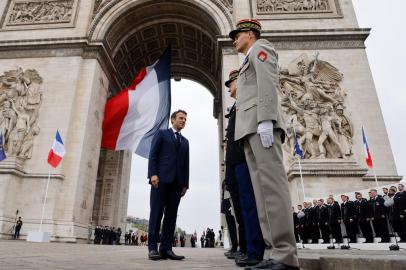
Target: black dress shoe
[(235, 254), (168, 254), (154, 255), (229, 253), (272, 264), (246, 261)]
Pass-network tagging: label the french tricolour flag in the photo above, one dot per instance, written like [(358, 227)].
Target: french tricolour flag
[(57, 151), (132, 117), (368, 156)]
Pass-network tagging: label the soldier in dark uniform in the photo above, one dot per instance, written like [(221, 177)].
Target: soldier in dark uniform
[(19, 224), (399, 213), (348, 215), (314, 215), (296, 225), (334, 214), (301, 219), (361, 216), (232, 228), (252, 238), (323, 219), (306, 222), (378, 216)]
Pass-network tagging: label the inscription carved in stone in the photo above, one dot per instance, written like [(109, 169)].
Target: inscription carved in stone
[(313, 102), (20, 100), (292, 6), (38, 12)]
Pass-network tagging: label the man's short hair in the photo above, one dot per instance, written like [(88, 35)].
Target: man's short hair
[(257, 35), (175, 113)]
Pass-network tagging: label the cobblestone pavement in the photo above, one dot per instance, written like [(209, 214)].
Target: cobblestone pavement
[(21, 255)]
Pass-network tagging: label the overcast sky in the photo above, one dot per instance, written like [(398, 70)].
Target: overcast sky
[(199, 209)]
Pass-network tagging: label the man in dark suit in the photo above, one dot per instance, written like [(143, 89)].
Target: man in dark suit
[(334, 219), (168, 171), (361, 215), (378, 216), (323, 218), (348, 214), (399, 213)]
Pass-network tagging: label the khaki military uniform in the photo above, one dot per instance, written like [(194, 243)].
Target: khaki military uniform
[(257, 101)]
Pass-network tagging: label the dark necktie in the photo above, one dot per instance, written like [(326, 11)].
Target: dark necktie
[(177, 139)]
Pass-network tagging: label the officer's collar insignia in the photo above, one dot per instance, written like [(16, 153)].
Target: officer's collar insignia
[(262, 56)]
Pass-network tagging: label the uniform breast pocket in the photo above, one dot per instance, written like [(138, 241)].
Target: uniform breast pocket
[(249, 104)]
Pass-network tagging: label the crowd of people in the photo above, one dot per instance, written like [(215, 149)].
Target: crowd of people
[(106, 235), (135, 238), (208, 239), (374, 216)]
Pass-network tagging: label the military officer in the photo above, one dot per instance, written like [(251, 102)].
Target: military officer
[(261, 128)]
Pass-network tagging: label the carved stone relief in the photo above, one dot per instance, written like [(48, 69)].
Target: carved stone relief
[(313, 102), (294, 9), (289, 6), (20, 100), (36, 12)]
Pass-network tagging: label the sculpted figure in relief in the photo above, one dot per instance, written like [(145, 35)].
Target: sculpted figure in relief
[(20, 100), (313, 101), (289, 6), (31, 12)]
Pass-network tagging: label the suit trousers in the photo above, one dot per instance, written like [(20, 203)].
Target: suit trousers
[(164, 200), (253, 235), (351, 229), (270, 184), (235, 198), (232, 230), (366, 229)]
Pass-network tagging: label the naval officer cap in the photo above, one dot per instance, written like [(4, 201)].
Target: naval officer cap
[(232, 77), (246, 25)]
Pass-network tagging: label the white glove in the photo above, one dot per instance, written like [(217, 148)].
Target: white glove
[(265, 131)]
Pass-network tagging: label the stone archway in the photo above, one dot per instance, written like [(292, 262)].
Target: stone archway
[(193, 29)]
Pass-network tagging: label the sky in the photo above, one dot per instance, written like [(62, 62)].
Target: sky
[(199, 209)]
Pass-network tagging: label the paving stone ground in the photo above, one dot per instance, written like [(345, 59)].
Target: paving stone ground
[(21, 255)]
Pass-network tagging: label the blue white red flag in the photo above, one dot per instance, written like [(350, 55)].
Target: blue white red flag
[(368, 156), (57, 151), (2, 151), (132, 117), (298, 150)]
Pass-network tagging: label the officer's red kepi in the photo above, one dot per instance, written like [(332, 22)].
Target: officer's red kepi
[(245, 25)]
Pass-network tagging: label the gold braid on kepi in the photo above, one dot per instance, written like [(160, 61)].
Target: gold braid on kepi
[(246, 25), (231, 77)]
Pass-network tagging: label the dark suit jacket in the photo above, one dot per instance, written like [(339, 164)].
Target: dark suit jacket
[(362, 209), (377, 208), (169, 162), (334, 213), (348, 211), (234, 152)]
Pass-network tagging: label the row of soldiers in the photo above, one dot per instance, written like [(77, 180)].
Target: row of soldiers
[(106, 235), (380, 214)]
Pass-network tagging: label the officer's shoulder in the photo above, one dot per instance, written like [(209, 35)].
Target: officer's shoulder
[(263, 44)]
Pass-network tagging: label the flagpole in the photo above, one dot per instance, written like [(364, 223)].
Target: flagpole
[(376, 178), (45, 199), (301, 178)]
